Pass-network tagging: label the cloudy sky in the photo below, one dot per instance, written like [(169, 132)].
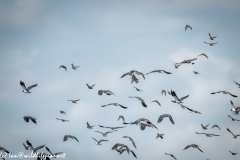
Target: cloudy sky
[(107, 39)]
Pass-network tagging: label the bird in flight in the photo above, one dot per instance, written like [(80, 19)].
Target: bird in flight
[(212, 38), (196, 72), (90, 87), (104, 134), (159, 136), (63, 120), (171, 156), (159, 71), (62, 112), (177, 100), (237, 84), (234, 109), (65, 138), (189, 61), (203, 54), (115, 104), (137, 89), (99, 142), (234, 136), (216, 126), (132, 72), (26, 90), (233, 119), (27, 118), (163, 116), (74, 101), (188, 26), (112, 128), (74, 67), (157, 102), (208, 134), (233, 153), (62, 66), (107, 92), (121, 117), (193, 146), (89, 126), (211, 44), (225, 92), (204, 127)]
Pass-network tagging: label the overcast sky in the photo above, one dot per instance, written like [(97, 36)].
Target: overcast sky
[(107, 39)]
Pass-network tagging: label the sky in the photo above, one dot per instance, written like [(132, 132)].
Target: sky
[(107, 39)]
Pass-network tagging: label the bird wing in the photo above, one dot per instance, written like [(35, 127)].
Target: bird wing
[(94, 139), (151, 72), (184, 97), (170, 118), (123, 106), (23, 85), (216, 92), (134, 154), (189, 109), (33, 120), (102, 140), (100, 92), (75, 138), (142, 126), (49, 151), (199, 149), (93, 85), (102, 126), (232, 103), (87, 85), (157, 102), (232, 95), (132, 142), (187, 147), (163, 91), (106, 105), (230, 132), (174, 95), (236, 83), (26, 118), (125, 74), (144, 104), (140, 73), (99, 132), (3, 149), (65, 138), (121, 117), (166, 72), (88, 124), (30, 87), (161, 118)]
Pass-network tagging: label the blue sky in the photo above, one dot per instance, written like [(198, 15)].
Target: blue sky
[(107, 39)]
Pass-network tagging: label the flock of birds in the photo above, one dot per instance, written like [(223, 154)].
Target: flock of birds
[(142, 122)]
